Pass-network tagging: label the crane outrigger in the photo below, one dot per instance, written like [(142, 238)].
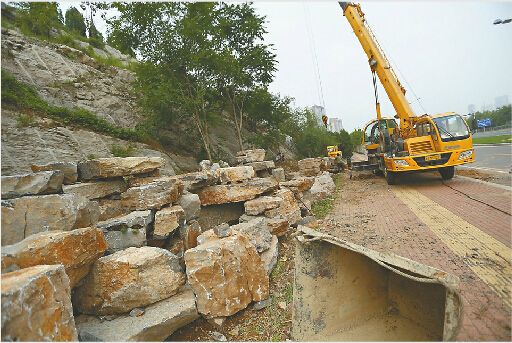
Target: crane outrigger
[(439, 141)]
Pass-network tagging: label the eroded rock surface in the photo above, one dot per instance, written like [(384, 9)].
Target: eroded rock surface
[(322, 188), (226, 275), (68, 168), (312, 166), (270, 256), (45, 182), (98, 189), (128, 279), (36, 305), (76, 250), (289, 208)]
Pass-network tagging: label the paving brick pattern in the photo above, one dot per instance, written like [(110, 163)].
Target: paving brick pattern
[(369, 213)]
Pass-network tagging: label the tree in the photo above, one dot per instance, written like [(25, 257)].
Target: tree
[(355, 137), (74, 22), (39, 18)]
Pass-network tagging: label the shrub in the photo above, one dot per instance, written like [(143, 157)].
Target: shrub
[(122, 151), (25, 120), (75, 22)]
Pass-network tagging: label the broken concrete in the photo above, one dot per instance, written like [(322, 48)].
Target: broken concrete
[(247, 190), (76, 250), (128, 279), (45, 182), (117, 166), (98, 189), (68, 168)]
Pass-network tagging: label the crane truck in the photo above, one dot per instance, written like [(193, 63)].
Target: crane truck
[(424, 142)]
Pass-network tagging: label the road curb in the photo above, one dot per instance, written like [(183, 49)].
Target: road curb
[(507, 188)]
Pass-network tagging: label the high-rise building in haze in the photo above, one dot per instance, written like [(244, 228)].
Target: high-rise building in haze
[(501, 101), (471, 108), (335, 125), (319, 111)]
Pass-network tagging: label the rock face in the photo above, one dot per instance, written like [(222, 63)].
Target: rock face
[(322, 188), (68, 168), (167, 220), (191, 205), (248, 156), (46, 182), (311, 166), (226, 275), (117, 166), (261, 204), (36, 305), (95, 190), (234, 174), (159, 321), (257, 232), (126, 231), (76, 250), (128, 279), (269, 257), (32, 214), (153, 195), (221, 194)]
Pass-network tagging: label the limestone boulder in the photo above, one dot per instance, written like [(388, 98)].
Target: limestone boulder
[(111, 208), (157, 323), (248, 156), (153, 195), (117, 166), (279, 174), (261, 165), (68, 168), (234, 174), (322, 188), (226, 275), (276, 226), (135, 277), (98, 189), (195, 181), (207, 236), (250, 189), (126, 231), (300, 184), (270, 256), (28, 215), (189, 234), (257, 232), (261, 204), (191, 205), (76, 250), (312, 166), (289, 208), (223, 230), (36, 305), (45, 182), (167, 220)]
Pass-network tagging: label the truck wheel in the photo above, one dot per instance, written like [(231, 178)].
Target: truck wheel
[(391, 177), (447, 172)]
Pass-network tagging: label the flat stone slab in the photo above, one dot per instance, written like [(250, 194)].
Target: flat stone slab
[(261, 204), (248, 156), (117, 166), (261, 165), (234, 174), (167, 220), (45, 182), (157, 323), (69, 169), (36, 305), (250, 189), (96, 190), (153, 195)]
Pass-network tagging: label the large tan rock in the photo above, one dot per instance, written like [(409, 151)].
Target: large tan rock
[(261, 204), (117, 166), (234, 174), (191, 205), (127, 231), (226, 275), (257, 232), (167, 220), (98, 189), (153, 195), (25, 216), (300, 184), (45, 182), (111, 208), (68, 168), (250, 189), (157, 323), (322, 188), (279, 174), (189, 234), (76, 250), (135, 277), (197, 180), (289, 208), (261, 165), (36, 305), (269, 257), (311, 166), (248, 156), (276, 226)]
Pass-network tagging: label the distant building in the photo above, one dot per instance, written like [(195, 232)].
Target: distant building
[(501, 101), (335, 125), (319, 111), (471, 109)]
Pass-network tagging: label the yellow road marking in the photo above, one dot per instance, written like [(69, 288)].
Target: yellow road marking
[(487, 257)]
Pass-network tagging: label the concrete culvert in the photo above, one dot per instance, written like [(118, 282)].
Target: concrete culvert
[(345, 292)]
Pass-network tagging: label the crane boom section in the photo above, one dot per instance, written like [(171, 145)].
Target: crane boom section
[(379, 63)]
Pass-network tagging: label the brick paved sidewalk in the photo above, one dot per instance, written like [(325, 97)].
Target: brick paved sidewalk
[(370, 213)]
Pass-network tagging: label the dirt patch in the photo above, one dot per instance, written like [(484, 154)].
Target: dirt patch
[(475, 174), (272, 323)]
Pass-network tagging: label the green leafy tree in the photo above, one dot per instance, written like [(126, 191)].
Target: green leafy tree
[(75, 22), (345, 143), (355, 137), (39, 18)]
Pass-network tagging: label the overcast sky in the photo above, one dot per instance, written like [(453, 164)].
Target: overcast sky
[(449, 52)]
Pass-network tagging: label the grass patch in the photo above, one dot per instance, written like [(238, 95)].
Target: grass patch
[(493, 139), (25, 120), (122, 151), (322, 207), (25, 98), (278, 268)]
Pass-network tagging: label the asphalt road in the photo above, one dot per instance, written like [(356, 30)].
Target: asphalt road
[(493, 158), (493, 133)]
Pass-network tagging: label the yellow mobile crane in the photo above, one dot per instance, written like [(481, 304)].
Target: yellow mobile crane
[(439, 141)]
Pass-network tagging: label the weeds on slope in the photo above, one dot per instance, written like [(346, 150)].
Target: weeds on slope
[(323, 207)]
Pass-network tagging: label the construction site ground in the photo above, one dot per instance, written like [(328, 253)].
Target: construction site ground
[(462, 226)]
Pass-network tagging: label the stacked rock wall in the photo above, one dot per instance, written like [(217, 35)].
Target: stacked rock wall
[(137, 255)]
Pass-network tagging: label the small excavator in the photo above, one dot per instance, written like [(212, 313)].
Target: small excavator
[(425, 142)]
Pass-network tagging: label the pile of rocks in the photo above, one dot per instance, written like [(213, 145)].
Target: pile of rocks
[(122, 247)]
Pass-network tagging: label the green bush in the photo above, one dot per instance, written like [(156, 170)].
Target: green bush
[(75, 22), (122, 151), (25, 120)]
